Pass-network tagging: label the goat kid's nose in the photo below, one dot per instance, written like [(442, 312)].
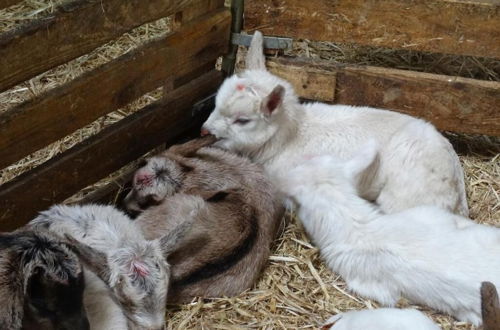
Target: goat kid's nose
[(204, 132)]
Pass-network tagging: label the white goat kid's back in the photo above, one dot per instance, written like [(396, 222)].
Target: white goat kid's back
[(426, 254), (381, 319), (259, 115), (111, 245)]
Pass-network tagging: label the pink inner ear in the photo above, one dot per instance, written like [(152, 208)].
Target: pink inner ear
[(240, 87), (273, 101), (140, 268)]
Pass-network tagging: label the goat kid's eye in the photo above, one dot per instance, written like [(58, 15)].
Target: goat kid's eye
[(241, 121)]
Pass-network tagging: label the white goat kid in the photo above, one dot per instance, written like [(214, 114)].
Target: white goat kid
[(426, 254), (381, 319), (258, 114), (112, 247)]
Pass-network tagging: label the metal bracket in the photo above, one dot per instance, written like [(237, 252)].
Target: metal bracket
[(269, 42), (202, 106), (229, 61)]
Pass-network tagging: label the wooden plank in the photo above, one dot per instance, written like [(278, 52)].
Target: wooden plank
[(451, 103), (101, 154), (191, 12), (112, 192), (75, 29), (8, 3), (442, 26), (186, 16), (53, 115)]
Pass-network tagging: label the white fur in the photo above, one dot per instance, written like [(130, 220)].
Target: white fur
[(425, 254), (110, 231), (418, 166), (382, 319)]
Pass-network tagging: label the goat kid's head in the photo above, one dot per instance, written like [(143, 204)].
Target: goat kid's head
[(54, 285), (157, 178), (250, 108), (137, 275)]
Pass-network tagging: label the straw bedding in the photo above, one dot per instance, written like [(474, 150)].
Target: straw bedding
[(296, 290)]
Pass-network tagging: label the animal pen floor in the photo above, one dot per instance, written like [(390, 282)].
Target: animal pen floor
[(296, 290)]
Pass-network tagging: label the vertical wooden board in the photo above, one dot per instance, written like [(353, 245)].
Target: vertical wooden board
[(102, 154), (76, 28), (58, 112), (443, 26)]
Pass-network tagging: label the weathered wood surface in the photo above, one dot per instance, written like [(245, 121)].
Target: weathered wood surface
[(442, 26), (104, 153), (112, 192), (8, 3), (451, 103), (53, 115), (75, 29), (193, 11)]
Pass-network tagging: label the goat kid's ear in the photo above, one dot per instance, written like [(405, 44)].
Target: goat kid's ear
[(37, 282), (255, 59), (272, 101), (95, 260), (362, 160), (173, 239)]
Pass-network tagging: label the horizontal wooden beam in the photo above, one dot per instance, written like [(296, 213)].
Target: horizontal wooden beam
[(441, 26), (451, 103), (104, 153), (57, 113), (110, 192), (8, 3), (74, 29)]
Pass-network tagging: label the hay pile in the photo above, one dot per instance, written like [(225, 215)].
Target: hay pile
[(295, 290)]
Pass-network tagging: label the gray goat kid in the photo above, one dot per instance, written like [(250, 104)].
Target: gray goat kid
[(41, 283), (112, 247), (235, 211)]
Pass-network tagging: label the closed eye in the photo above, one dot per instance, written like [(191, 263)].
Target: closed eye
[(242, 121), (162, 174)]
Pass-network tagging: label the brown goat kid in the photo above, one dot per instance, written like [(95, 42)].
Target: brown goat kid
[(236, 213)]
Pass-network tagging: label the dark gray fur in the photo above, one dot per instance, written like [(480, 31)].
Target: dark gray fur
[(41, 283)]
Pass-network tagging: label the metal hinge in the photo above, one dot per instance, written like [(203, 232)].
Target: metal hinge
[(269, 42)]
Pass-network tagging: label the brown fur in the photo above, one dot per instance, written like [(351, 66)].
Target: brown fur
[(237, 215), (490, 306)]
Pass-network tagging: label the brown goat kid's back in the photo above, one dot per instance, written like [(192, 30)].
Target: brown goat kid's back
[(237, 215)]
